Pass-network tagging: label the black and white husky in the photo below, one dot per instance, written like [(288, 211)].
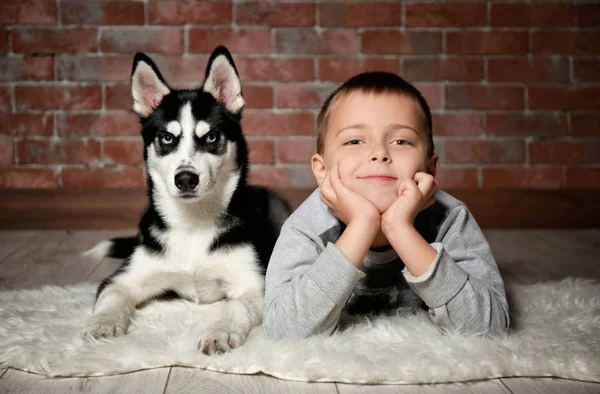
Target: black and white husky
[(206, 235)]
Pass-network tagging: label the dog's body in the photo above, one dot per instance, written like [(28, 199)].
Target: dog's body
[(206, 235)]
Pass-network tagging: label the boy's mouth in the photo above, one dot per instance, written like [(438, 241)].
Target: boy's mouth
[(379, 178)]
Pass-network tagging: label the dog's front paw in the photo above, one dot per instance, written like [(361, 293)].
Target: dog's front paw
[(220, 339), (106, 326)]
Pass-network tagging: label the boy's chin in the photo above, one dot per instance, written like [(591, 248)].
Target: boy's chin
[(382, 203)]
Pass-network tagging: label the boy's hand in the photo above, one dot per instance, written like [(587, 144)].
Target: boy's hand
[(414, 195), (348, 206)]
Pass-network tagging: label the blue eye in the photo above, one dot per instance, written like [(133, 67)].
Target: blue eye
[(211, 137), (167, 139)]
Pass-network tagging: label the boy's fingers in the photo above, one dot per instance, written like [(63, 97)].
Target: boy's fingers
[(426, 184)]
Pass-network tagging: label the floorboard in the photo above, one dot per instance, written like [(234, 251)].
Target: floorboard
[(200, 381), (151, 381)]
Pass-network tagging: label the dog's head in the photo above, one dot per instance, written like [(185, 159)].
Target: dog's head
[(193, 140)]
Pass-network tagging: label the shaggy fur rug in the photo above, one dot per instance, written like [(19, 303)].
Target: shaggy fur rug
[(555, 332)]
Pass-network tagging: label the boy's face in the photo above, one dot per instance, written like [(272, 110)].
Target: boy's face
[(377, 141)]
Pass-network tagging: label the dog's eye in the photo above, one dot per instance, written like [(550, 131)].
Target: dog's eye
[(167, 139), (211, 138)]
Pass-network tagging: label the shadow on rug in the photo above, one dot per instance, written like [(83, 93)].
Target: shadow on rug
[(555, 332)]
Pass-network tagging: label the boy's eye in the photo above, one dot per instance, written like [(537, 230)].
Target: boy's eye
[(211, 138), (166, 139), (401, 142), (353, 142)]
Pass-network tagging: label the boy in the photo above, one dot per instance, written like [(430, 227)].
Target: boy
[(377, 236)]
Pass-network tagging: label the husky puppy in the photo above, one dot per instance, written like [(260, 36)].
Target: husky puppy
[(206, 235)]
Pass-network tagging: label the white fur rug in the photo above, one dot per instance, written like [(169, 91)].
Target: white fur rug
[(556, 332)]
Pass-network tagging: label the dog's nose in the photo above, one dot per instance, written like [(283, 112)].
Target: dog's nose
[(186, 181)]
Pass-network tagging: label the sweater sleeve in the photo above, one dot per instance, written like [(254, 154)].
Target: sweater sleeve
[(463, 288), (305, 288)]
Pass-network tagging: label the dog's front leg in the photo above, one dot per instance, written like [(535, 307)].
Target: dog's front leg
[(113, 309), (240, 316)]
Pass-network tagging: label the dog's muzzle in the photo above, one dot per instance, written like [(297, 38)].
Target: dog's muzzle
[(186, 181)]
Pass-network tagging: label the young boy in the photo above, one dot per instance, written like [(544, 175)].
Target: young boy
[(377, 236)]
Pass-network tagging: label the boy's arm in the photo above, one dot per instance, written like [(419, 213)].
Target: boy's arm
[(306, 290), (461, 284)]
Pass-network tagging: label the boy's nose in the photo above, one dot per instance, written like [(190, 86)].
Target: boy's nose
[(379, 158)]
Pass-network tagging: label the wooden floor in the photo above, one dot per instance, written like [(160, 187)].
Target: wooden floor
[(29, 259)]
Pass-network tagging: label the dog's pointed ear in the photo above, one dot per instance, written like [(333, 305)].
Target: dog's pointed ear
[(148, 87), (223, 81)]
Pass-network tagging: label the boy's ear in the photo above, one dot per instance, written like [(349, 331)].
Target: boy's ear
[(433, 164), (223, 81), (147, 85), (318, 167)]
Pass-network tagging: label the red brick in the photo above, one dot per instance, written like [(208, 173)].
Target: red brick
[(270, 124), (236, 40), (7, 152), (530, 15), (484, 97), (27, 12), (54, 40), (360, 14), (586, 70), (58, 97), (484, 151), (543, 97), (564, 152), (77, 12), (508, 124), (302, 96), (583, 178), (58, 152), (528, 69), (118, 97), (296, 151), (457, 124), (277, 178), (3, 40), (189, 12), (175, 68), (585, 124), (402, 43), (5, 99), (275, 69), (309, 41), (258, 97), (273, 14), (565, 42), (107, 124), (261, 151), (142, 39), (26, 68), (588, 15), (522, 178), (446, 15), (457, 178), (449, 69), (26, 125), (124, 152), (487, 43), (431, 93), (94, 68), (340, 69), (28, 178), (100, 178)]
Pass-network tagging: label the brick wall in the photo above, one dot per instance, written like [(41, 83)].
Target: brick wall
[(514, 86)]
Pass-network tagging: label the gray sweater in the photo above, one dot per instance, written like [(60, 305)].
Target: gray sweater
[(310, 282)]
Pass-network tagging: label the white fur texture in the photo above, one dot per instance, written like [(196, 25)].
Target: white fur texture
[(556, 332)]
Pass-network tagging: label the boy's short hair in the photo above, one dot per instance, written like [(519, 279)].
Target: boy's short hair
[(376, 82)]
